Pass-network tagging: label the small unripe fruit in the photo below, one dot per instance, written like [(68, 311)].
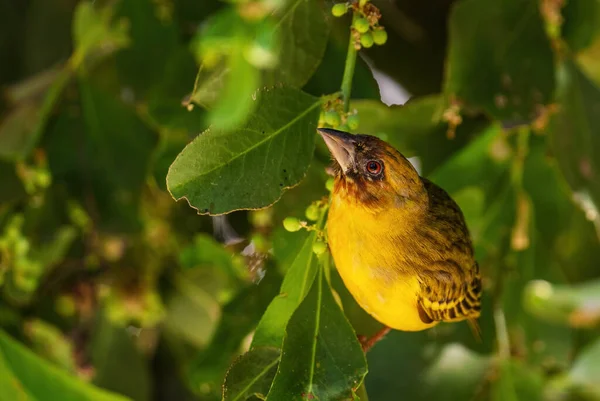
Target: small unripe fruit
[(379, 36), (291, 224), (366, 40), (329, 184), (312, 212), (339, 9), (332, 118), (319, 247), (259, 242), (352, 121), (361, 25), (43, 179)]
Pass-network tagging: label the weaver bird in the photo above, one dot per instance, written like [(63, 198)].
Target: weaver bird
[(399, 242)]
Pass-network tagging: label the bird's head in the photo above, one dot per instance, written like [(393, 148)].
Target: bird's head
[(371, 172)]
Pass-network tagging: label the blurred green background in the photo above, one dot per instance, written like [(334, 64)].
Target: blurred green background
[(111, 290)]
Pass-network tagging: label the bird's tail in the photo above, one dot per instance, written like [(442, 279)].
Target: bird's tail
[(475, 329)]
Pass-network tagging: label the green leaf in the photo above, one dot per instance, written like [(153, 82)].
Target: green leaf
[(23, 126), (196, 294), (207, 251), (575, 136), (302, 29), (517, 382), (457, 374), (568, 239), (95, 33), (416, 128), (502, 64), (164, 99), (126, 374), (581, 22), (113, 156), (295, 286), (585, 370), (238, 318), (25, 376), (321, 357), (221, 171), (480, 163), (575, 305), (235, 103), (251, 375)]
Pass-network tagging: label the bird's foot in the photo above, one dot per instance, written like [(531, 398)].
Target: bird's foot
[(367, 342)]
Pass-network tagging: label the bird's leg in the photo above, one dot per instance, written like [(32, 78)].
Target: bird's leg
[(367, 343)]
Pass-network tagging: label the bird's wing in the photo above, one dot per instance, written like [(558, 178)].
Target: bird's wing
[(447, 295), (450, 286)]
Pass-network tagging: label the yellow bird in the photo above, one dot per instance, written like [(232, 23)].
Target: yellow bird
[(399, 242)]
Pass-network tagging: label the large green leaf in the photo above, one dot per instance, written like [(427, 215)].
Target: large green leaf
[(503, 63), (221, 171), (235, 103), (575, 305), (36, 99), (586, 369), (126, 374), (238, 318), (517, 382), (297, 282), (96, 33), (25, 376), (302, 29), (251, 375), (321, 357), (457, 374), (581, 22), (575, 135)]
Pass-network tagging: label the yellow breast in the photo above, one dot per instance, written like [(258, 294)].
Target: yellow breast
[(365, 251)]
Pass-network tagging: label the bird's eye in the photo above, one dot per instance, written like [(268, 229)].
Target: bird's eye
[(374, 167)]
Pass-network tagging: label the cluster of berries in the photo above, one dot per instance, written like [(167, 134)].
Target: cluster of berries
[(313, 213), (333, 118), (365, 25)]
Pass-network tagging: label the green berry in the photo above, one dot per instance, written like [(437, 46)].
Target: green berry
[(312, 212), (319, 247), (366, 40), (339, 9), (261, 218), (259, 242), (43, 178), (329, 184), (361, 25), (21, 246), (379, 36), (332, 118), (291, 224), (352, 121)]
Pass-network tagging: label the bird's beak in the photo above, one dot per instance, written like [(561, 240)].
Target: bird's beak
[(341, 146)]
